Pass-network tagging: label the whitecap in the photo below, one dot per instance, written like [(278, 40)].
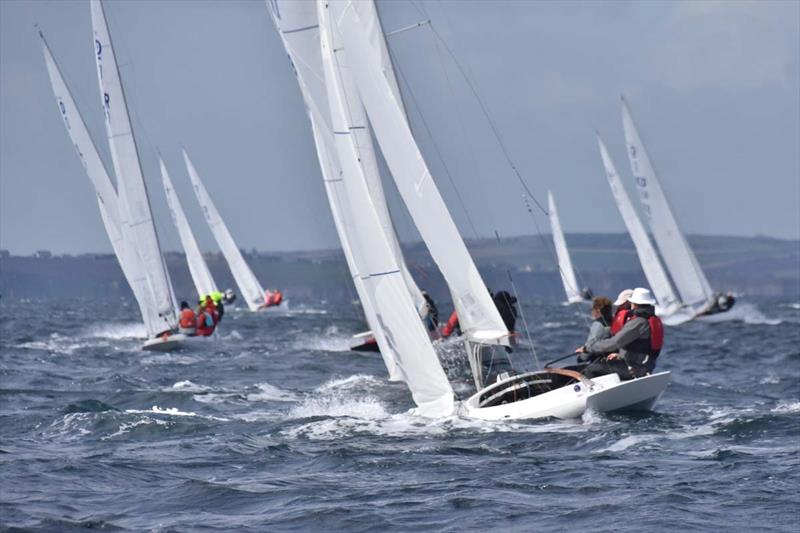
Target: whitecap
[(268, 392), (173, 411), (786, 407), (131, 330)]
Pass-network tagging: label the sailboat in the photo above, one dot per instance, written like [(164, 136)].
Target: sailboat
[(198, 268), (695, 291), (568, 278), (249, 287), (125, 211), (669, 308), (317, 38)]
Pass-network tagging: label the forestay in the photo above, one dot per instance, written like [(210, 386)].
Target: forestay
[(571, 287), (132, 191), (653, 270), (681, 261), (479, 318), (107, 200), (249, 287), (201, 275)]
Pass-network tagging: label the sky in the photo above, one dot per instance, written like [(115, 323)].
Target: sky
[(714, 88)]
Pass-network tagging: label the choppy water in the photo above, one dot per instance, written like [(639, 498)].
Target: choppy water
[(279, 427)]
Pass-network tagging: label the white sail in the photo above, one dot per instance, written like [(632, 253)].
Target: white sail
[(104, 189), (134, 202), (653, 270), (681, 261), (297, 25), (201, 275), (249, 287), (571, 287), (478, 315)]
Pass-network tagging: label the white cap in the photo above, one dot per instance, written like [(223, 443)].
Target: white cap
[(624, 296), (642, 296)]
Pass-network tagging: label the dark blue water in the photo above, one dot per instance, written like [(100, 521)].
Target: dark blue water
[(278, 427)]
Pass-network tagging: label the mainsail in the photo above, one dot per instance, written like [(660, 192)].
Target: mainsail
[(571, 287), (681, 261), (201, 275), (133, 200), (653, 270), (249, 287), (477, 313)]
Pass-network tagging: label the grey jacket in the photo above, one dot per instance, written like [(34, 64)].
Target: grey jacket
[(636, 328), (597, 332)]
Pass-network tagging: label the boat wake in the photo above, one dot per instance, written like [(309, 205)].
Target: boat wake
[(745, 312)]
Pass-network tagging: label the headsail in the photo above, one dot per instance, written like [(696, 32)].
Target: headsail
[(201, 275), (477, 313), (653, 270), (249, 287), (571, 287), (134, 202), (681, 261)]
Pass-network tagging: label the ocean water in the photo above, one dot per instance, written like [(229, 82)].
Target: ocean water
[(278, 427)]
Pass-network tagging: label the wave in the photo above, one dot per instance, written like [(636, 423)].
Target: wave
[(745, 312), (131, 330), (786, 407), (173, 411)]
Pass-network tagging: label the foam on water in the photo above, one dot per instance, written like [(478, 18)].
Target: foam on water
[(173, 411), (787, 407), (135, 330), (746, 312)]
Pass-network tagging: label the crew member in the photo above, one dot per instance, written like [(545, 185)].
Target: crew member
[(622, 311), (633, 351), (432, 314), (206, 317), (505, 304), (452, 327), (217, 297), (600, 328), (188, 320)]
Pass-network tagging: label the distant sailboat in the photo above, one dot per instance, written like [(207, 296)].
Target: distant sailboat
[(249, 287), (568, 278), (198, 268), (685, 270), (126, 211)]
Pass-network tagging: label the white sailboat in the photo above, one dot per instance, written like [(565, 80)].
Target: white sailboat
[(340, 28), (669, 306), (565, 269), (249, 287), (690, 280), (198, 268)]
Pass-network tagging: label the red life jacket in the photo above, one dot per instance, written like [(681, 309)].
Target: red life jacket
[(656, 335), (451, 326), (622, 316), (188, 319), (203, 329)]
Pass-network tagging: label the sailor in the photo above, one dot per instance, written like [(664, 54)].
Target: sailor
[(633, 351), (600, 328), (452, 327), (271, 298), (508, 311), (431, 312), (188, 320), (206, 317), (230, 296), (622, 311), (587, 293), (217, 297)]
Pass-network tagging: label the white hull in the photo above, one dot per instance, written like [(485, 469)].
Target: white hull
[(603, 394), (177, 341)]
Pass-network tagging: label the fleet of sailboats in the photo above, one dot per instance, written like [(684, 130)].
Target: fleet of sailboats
[(346, 76)]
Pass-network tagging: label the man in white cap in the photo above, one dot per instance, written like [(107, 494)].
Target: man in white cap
[(632, 352), (622, 311)]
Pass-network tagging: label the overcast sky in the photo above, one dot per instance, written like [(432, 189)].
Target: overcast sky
[(714, 87)]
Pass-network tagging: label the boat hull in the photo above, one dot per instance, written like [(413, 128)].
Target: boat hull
[(639, 394), (176, 341)]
